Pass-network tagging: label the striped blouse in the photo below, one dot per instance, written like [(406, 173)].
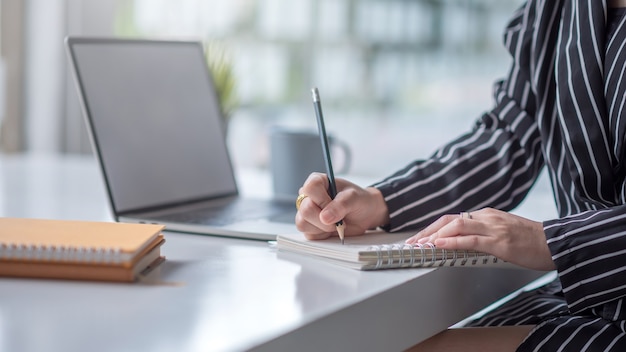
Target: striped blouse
[(562, 108)]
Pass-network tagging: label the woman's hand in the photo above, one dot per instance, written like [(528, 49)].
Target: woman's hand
[(360, 208), (504, 235)]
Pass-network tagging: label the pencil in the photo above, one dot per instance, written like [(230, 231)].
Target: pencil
[(332, 187)]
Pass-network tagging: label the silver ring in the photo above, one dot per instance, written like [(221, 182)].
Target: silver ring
[(465, 215)]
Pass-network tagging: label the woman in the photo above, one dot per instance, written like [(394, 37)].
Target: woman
[(560, 108)]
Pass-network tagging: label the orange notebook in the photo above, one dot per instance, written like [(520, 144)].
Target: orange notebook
[(81, 250)]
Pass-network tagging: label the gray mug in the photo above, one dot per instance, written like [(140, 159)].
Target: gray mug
[(296, 153)]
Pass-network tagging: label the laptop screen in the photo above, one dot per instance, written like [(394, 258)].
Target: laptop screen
[(155, 121)]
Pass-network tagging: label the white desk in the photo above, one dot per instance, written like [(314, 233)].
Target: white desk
[(218, 294)]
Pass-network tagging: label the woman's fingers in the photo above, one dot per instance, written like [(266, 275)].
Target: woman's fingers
[(448, 223), (465, 242), (359, 208), (318, 213), (507, 236), (308, 220), (315, 188), (459, 227)]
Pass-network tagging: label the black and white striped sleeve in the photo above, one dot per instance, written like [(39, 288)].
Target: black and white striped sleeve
[(588, 250)]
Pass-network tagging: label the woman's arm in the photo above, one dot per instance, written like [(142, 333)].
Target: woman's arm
[(589, 250)]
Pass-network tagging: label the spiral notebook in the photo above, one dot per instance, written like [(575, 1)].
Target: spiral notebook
[(381, 250), (81, 250)]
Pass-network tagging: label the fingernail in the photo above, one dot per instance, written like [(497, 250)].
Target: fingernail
[(440, 242), (423, 240)]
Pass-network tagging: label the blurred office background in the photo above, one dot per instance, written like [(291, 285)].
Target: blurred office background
[(397, 77)]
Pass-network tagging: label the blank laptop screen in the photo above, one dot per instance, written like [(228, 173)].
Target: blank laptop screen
[(156, 120)]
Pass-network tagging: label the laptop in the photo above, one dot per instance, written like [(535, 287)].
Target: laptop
[(156, 128)]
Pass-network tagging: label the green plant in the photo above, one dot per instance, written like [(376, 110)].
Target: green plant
[(221, 67)]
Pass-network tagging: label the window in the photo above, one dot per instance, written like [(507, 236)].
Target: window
[(397, 77)]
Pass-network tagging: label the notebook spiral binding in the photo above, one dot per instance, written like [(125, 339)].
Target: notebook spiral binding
[(11, 251), (424, 255)]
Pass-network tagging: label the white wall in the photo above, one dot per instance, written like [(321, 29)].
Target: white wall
[(53, 120), (44, 30)]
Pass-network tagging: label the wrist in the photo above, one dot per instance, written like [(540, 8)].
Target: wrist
[(380, 213)]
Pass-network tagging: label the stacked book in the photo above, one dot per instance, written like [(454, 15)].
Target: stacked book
[(81, 250)]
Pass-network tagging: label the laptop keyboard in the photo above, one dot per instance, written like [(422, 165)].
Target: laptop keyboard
[(236, 211)]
